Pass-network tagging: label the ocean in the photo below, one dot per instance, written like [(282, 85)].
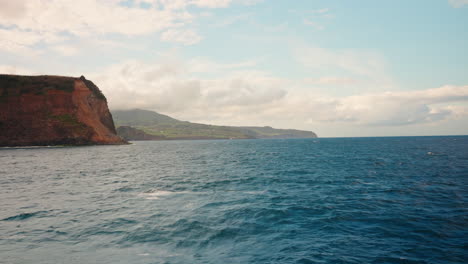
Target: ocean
[(324, 200)]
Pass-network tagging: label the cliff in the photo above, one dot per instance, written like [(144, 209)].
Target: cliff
[(53, 110)]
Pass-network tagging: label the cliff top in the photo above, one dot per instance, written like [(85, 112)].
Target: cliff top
[(16, 85)]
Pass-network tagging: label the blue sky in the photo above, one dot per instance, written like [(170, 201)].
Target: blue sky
[(339, 68)]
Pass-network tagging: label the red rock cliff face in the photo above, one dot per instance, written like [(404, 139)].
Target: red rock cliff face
[(53, 110)]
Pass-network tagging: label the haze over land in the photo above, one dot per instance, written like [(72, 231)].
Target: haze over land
[(338, 68)]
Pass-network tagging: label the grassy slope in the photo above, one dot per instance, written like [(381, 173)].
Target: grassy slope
[(161, 125), (16, 85)]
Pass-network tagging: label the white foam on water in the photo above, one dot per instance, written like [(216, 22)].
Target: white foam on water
[(157, 194), (255, 192)]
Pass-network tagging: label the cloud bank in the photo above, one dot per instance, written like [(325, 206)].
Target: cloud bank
[(293, 82), (255, 97), (26, 24)]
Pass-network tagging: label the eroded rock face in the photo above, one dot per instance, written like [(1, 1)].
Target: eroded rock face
[(53, 110)]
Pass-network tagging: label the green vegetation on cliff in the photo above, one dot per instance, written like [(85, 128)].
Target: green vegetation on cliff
[(96, 91), (69, 121), (16, 85), (167, 127)]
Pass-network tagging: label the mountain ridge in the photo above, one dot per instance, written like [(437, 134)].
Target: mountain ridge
[(153, 124)]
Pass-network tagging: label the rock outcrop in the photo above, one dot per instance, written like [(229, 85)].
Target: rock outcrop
[(53, 110)]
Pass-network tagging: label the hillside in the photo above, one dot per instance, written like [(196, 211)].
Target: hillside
[(166, 127), (53, 110)]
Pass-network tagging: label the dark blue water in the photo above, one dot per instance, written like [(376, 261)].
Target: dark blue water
[(354, 200)]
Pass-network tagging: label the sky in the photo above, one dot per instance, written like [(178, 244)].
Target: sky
[(340, 68)]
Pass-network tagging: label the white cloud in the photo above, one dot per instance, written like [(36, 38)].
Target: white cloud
[(167, 87), (66, 50), (458, 3), (332, 80), (212, 3), (248, 97), (400, 108), (312, 111), (250, 2), (22, 41), (32, 21), (11, 69), (183, 36), (17, 41), (232, 20), (12, 9), (92, 17)]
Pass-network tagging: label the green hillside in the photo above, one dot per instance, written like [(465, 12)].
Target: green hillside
[(138, 117), (167, 127)]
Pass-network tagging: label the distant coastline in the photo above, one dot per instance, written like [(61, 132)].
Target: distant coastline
[(138, 124)]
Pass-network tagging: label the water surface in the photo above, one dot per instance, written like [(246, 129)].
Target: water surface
[(348, 200)]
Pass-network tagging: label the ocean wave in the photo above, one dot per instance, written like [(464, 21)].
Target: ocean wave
[(24, 216)]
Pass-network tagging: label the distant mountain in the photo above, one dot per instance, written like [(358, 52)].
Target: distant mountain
[(138, 118), (140, 124), (130, 133)]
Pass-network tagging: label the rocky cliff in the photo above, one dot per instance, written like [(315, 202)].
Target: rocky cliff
[(53, 110)]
